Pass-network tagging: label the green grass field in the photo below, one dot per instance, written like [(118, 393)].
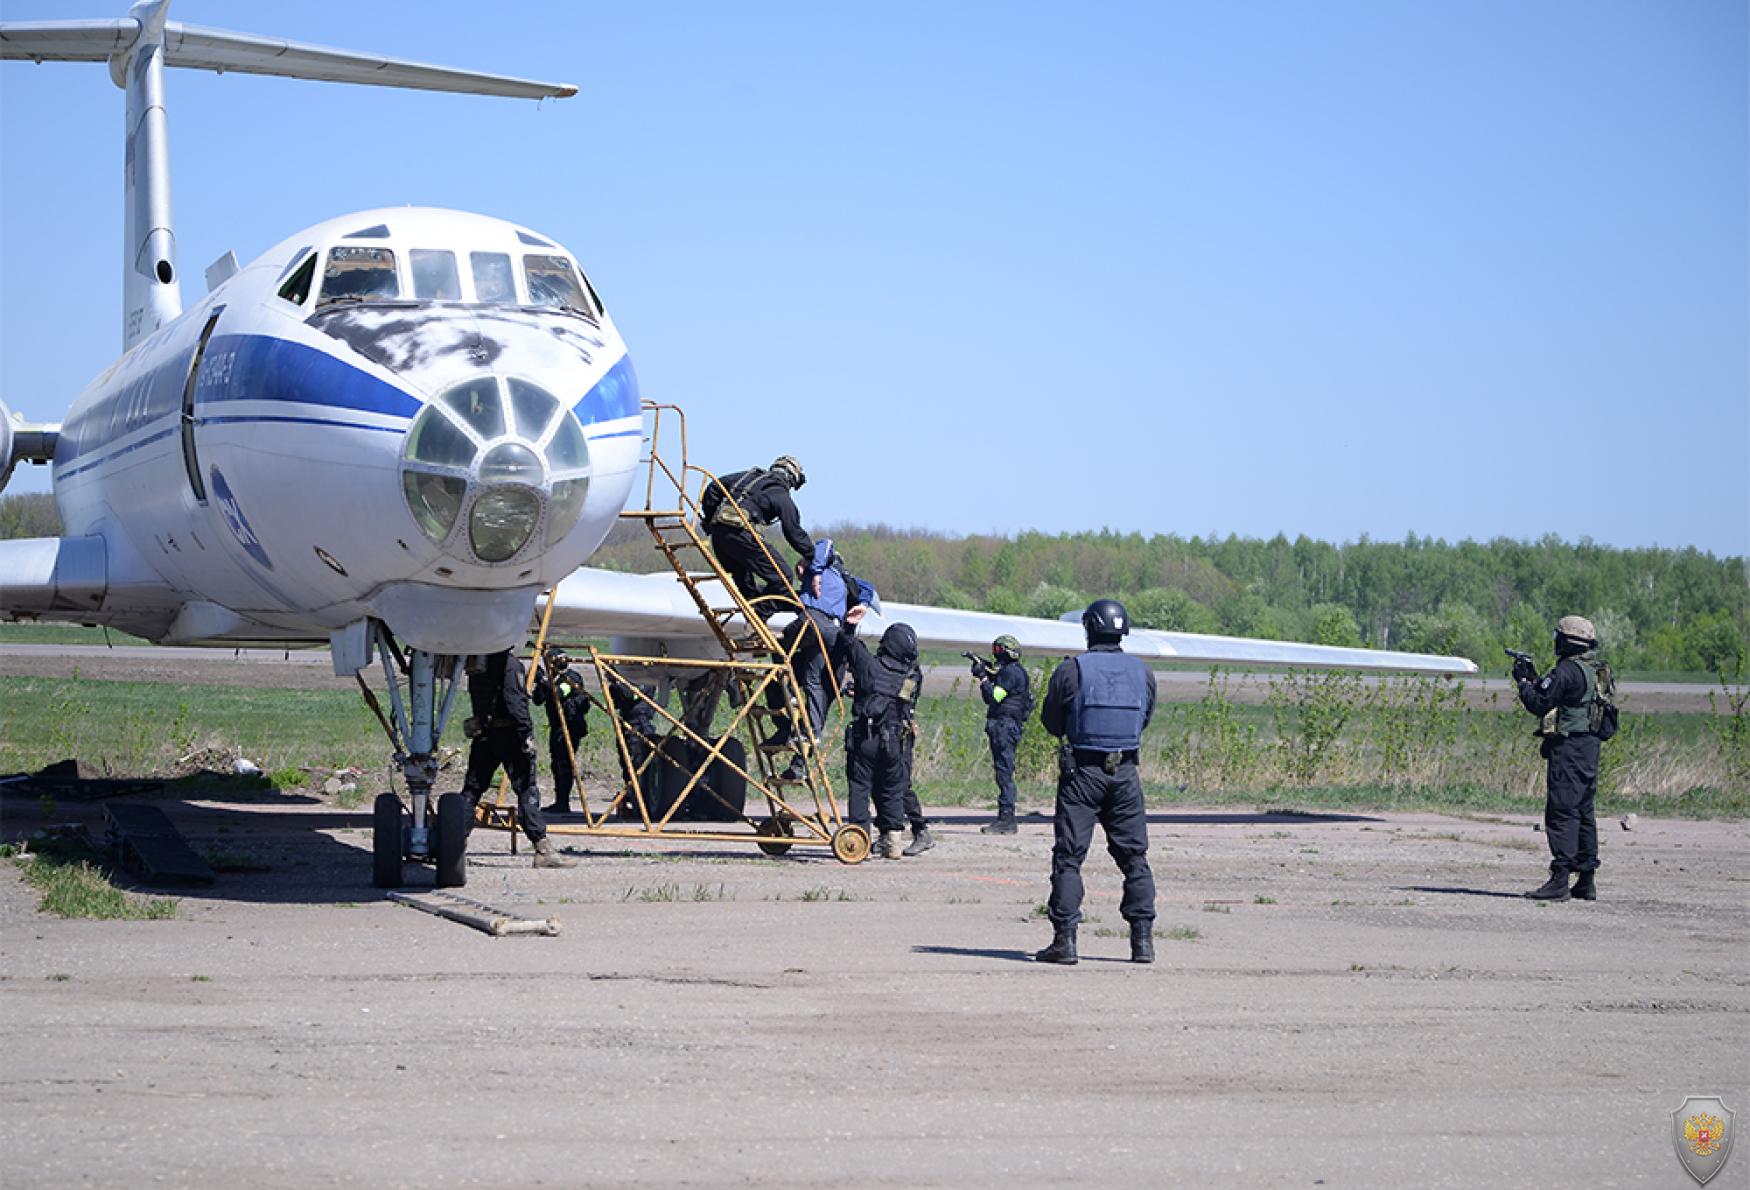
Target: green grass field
[(1314, 747)]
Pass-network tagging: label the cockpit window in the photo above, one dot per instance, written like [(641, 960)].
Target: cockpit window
[(553, 282), (434, 275), (359, 274), (297, 286), (494, 282)]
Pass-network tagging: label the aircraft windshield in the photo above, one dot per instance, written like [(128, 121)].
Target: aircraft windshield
[(494, 282), (434, 275), (359, 274), (553, 282)]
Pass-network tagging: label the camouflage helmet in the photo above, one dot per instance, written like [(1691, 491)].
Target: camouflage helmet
[(558, 658), (1006, 646), (788, 469), (1578, 628)]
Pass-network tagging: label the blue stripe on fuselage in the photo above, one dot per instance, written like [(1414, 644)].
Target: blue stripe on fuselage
[(266, 368)]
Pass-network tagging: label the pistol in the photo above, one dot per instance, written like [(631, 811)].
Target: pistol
[(1525, 659)]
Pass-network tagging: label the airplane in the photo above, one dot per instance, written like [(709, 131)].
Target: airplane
[(393, 432)]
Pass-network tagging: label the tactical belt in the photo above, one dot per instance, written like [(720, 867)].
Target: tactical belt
[(1106, 760)]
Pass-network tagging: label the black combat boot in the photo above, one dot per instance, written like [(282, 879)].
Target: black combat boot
[(1004, 825), (1585, 889), (1062, 948), (921, 841), (1142, 941), (1553, 889)]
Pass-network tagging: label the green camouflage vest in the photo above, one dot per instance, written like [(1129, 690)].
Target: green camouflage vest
[(1577, 719)]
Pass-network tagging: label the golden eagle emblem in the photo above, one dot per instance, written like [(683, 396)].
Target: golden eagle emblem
[(1702, 1134)]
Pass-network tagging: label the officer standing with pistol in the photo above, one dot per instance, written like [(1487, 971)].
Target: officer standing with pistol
[(1573, 702), (1008, 701), (1099, 704), (559, 688)]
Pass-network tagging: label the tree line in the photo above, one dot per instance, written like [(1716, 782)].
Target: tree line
[(1657, 609)]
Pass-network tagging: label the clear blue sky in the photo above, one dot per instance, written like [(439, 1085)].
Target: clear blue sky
[(1463, 269)]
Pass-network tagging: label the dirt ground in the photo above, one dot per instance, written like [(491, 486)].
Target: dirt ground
[(1364, 1003), (311, 669)]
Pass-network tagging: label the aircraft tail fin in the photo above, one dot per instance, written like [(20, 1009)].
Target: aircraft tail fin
[(138, 47)]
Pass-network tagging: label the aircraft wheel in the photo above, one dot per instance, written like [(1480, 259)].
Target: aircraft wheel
[(775, 828), (386, 841), (850, 844), (452, 841)]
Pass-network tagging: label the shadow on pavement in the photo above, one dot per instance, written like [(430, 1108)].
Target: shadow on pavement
[(976, 952), (1462, 892)]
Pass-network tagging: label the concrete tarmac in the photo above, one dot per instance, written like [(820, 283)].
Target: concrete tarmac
[(1350, 1000)]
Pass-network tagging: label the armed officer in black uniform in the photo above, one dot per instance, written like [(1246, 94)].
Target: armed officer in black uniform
[(1567, 700), (1099, 703), (1008, 700), (504, 735), (876, 742), (559, 688), (763, 496)]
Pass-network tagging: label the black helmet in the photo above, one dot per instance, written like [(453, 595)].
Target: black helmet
[(899, 642), (1106, 621)]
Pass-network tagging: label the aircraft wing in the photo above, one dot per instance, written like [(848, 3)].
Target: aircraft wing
[(655, 607), (201, 48)]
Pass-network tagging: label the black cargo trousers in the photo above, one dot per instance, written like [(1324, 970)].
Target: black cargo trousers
[(1571, 786), (1086, 794), (878, 767), (506, 746)]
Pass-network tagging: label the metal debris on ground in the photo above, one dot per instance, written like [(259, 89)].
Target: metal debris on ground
[(483, 917)]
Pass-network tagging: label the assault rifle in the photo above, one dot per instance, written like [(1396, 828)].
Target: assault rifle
[(981, 668)]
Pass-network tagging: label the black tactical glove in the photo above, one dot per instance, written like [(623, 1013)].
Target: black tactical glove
[(1523, 670)]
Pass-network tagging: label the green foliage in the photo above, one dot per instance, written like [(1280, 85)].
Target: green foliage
[(74, 884), (1210, 744), (1311, 709), (29, 514), (1170, 610), (1732, 728)]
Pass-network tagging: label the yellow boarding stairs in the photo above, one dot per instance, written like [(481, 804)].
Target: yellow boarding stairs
[(789, 772)]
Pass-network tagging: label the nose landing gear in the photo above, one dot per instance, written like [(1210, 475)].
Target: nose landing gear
[(423, 829)]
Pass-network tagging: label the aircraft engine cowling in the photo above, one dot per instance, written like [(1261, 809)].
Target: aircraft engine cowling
[(6, 459), (22, 442)]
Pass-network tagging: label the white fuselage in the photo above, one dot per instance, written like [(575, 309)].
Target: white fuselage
[(417, 415)]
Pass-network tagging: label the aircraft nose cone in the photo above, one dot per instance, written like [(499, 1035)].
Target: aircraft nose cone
[(495, 470)]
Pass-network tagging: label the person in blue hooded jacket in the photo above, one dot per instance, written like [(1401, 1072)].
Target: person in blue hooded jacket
[(812, 639)]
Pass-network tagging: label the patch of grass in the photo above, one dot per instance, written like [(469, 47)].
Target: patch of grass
[(1109, 932), (58, 977), (706, 892), (1261, 899), (1212, 907), (289, 776), (1040, 910), (823, 893), (73, 884), (350, 798), (201, 978), (1183, 933), (654, 894)]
